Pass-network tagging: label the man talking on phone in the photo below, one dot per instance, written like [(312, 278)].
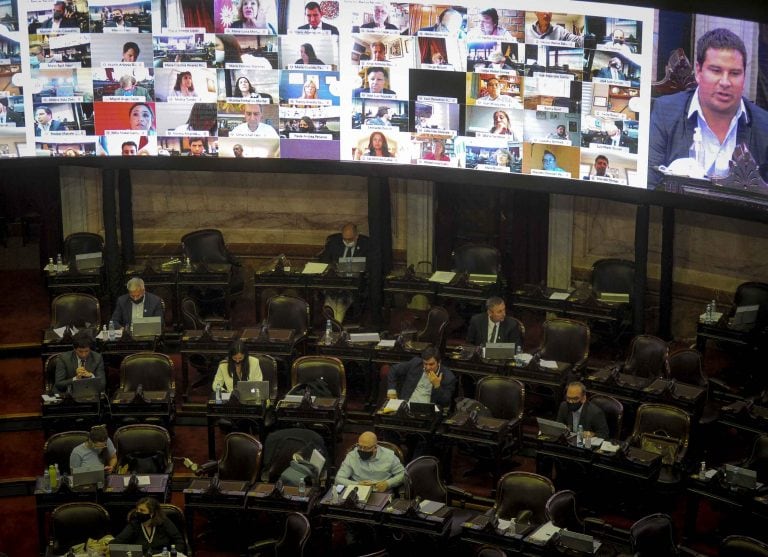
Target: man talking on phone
[(422, 379)]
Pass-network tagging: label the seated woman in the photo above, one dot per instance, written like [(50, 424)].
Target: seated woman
[(98, 449), (148, 526), (238, 366)]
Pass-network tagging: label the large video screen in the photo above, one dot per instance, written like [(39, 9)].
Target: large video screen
[(565, 93)]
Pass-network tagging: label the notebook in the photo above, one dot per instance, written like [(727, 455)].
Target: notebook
[(88, 261), (122, 550), (85, 389), (741, 477), (350, 265), (247, 390), (88, 475), (552, 429), (147, 326)]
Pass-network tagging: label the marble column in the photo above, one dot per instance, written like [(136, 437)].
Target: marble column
[(560, 252), (81, 200), (420, 211)]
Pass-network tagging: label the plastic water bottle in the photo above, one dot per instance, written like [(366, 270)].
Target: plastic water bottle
[(580, 436), (59, 263), (104, 334), (714, 308), (165, 552), (302, 487), (218, 394), (703, 471), (174, 553), (46, 481), (328, 338), (111, 331), (696, 151), (54, 480), (258, 395), (50, 268)]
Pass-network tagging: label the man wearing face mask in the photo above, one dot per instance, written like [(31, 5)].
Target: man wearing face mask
[(371, 464), (577, 411), (347, 244), (80, 363), (137, 303), (58, 19)]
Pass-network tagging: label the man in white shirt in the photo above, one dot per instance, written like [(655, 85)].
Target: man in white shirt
[(253, 126)]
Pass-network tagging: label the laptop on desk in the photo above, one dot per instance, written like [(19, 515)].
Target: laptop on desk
[(551, 430), (85, 390), (88, 261), (350, 265), (88, 475), (741, 477), (248, 389), (147, 326)]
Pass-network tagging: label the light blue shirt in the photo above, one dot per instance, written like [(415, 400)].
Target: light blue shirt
[(384, 465), (423, 390), (717, 155), (83, 455), (576, 418)]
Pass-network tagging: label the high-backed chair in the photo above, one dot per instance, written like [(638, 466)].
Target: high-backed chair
[(144, 448), (49, 373), (292, 544), (758, 458), (176, 515), (78, 243), (434, 329), (240, 461), (614, 413), (561, 511), (75, 523), (685, 366), (613, 275), (193, 320), (280, 446), (152, 370), (567, 341), (206, 246), (668, 422), (310, 368), (743, 546), (288, 312), (59, 446), (80, 310), (646, 361), (475, 258), (518, 492), (653, 536)]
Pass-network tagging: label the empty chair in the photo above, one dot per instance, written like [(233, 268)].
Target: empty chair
[(75, 523), (206, 246), (288, 312), (476, 259), (653, 536), (614, 413), (59, 446), (647, 358), (79, 310), (434, 329), (291, 544), (521, 493), (664, 429), (561, 511), (330, 370), (143, 448), (613, 275), (567, 341), (78, 243), (152, 370), (240, 461), (685, 366), (743, 546)]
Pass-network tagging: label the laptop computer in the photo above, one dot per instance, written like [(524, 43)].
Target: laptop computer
[(741, 477), (423, 410), (350, 265), (248, 389), (122, 549), (88, 261), (88, 475), (85, 389), (147, 326), (499, 350), (551, 429)]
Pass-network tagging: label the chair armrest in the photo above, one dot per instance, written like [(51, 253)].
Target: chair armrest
[(594, 525), (460, 494), (207, 468), (259, 547)]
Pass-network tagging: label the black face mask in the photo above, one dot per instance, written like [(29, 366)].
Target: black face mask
[(137, 302), (574, 406), (141, 517), (364, 455)]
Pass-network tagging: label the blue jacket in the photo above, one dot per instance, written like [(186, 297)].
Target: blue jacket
[(408, 375), (672, 133)]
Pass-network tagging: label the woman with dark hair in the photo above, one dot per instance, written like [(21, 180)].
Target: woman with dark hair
[(377, 147), (226, 49), (202, 118), (98, 449), (244, 89), (251, 16), (308, 56), (141, 117), (238, 366), (306, 125), (185, 86), (149, 527)]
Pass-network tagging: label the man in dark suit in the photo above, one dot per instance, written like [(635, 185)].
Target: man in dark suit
[(44, 122), (347, 244), (422, 379), (80, 363), (58, 19), (137, 303), (493, 325), (721, 62), (314, 19), (376, 77), (577, 411), (614, 70)]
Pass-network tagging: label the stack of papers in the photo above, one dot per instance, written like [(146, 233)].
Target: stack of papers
[(548, 364), (392, 405), (443, 277), (363, 491), (314, 268), (386, 343), (143, 481), (609, 448), (559, 295), (430, 507)]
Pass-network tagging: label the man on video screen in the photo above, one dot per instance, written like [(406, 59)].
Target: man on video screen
[(315, 22), (717, 107)]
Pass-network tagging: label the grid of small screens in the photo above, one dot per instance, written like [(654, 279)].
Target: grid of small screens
[(472, 86)]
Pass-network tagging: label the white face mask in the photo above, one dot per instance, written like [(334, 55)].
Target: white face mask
[(219, 56), (349, 244)]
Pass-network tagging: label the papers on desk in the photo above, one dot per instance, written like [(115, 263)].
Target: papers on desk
[(392, 405), (715, 317), (363, 491), (61, 330), (314, 268), (54, 398), (559, 295), (523, 359), (443, 277), (430, 507), (609, 448), (386, 343), (105, 335), (364, 337), (548, 364), (144, 481), (225, 396), (543, 533)]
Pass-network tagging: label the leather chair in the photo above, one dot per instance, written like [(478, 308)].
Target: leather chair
[(80, 310), (74, 523), (292, 544), (144, 445), (743, 546), (280, 446), (152, 370), (685, 366), (288, 312), (476, 258), (423, 480), (503, 396), (672, 422), (192, 320), (653, 536), (758, 458), (49, 373), (434, 329), (176, 515), (490, 551), (561, 511), (613, 275), (748, 294), (647, 360), (565, 340), (240, 461), (518, 492), (614, 413), (207, 247), (59, 446), (330, 369), (78, 243)]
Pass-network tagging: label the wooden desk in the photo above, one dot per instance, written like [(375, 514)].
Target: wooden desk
[(234, 410)]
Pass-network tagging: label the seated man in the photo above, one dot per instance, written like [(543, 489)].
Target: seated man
[(80, 363), (493, 325), (349, 244), (98, 449), (137, 303), (422, 380), (577, 411), (370, 464)]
